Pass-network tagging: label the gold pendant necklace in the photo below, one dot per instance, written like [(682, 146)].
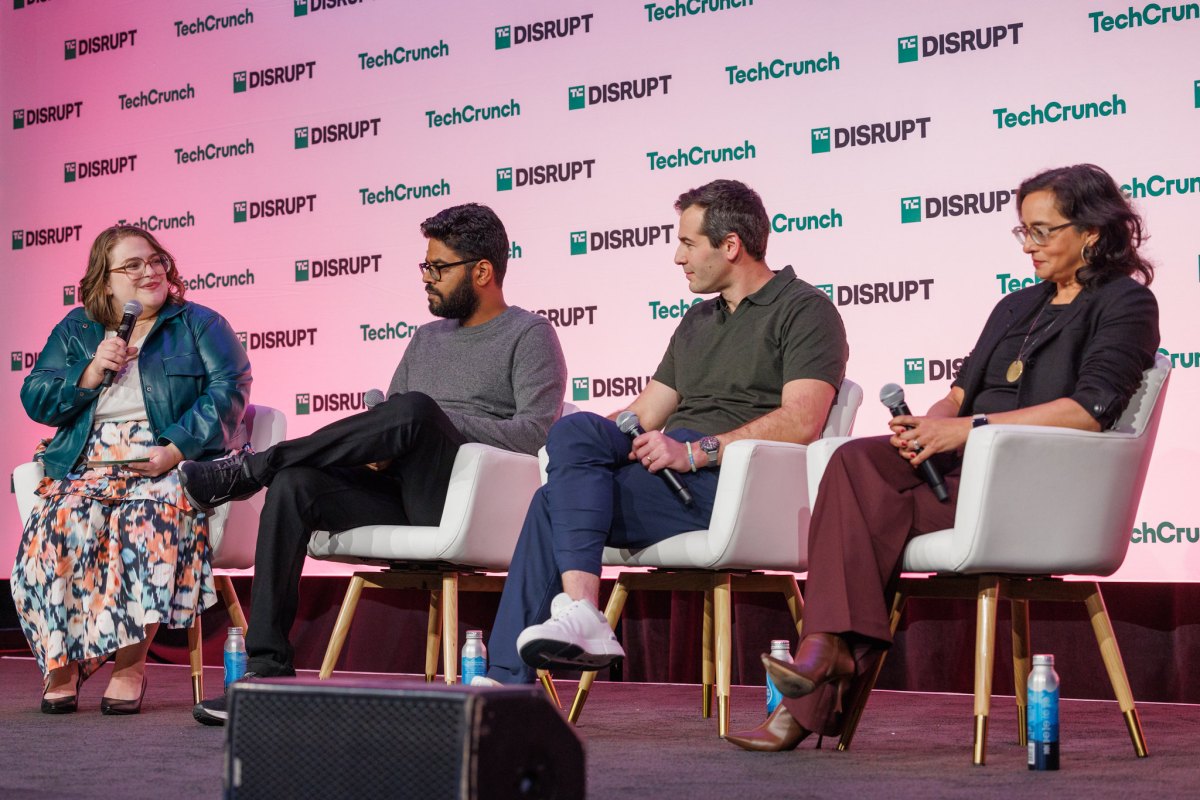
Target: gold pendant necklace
[(1017, 368)]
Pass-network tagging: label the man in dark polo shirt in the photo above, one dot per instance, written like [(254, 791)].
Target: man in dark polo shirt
[(762, 360)]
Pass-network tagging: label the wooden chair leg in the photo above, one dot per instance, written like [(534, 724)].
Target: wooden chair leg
[(341, 627), (1021, 662), (547, 681), (612, 612), (985, 661), (232, 606), (858, 703), (795, 603), (433, 634), (450, 626), (1111, 654), (196, 657), (722, 624), (707, 666)]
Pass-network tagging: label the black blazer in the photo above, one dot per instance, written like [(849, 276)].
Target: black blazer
[(1105, 339)]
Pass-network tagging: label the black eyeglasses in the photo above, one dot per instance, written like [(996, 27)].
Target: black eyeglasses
[(434, 271), (1040, 234)]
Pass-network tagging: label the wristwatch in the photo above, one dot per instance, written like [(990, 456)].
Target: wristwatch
[(711, 445), (979, 420)]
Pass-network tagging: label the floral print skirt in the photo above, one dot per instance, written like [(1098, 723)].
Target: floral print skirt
[(107, 553)]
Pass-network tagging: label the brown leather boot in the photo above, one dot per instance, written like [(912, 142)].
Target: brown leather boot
[(778, 732), (821, 658)]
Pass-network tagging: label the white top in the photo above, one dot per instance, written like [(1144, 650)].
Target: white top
[(123, 400)]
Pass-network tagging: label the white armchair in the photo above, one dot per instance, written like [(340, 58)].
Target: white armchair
[(1013, 533)]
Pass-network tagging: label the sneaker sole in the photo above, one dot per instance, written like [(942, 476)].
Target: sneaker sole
[(548, 654), (206, 717)]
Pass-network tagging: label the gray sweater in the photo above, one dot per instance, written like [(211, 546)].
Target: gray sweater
[(501, 383)]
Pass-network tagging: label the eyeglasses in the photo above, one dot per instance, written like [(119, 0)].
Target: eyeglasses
[(1040, 234), (137, 268), (434, 271)]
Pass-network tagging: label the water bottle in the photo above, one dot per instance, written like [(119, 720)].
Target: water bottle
[(1042, 718), (235, 656), (781, 651), (474, 657)]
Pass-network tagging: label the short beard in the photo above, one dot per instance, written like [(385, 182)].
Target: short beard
[(460, 304)]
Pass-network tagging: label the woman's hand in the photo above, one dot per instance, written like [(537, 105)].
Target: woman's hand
[(112, 354), (158, 460), (918, 438)]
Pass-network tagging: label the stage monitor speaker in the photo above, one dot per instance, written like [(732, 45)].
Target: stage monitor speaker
[(301, 738)]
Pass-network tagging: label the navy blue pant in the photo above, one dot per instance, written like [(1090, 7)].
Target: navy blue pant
[(595, 496)]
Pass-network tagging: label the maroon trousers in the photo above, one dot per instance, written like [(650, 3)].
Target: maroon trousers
[(870, 503)]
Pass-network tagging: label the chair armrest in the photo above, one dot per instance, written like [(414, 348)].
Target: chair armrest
[(26, 478), (819, 453)]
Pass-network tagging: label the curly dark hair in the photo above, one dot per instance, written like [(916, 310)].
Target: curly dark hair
[(473, 231)]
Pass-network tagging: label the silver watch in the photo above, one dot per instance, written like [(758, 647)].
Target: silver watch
[(711, 445)]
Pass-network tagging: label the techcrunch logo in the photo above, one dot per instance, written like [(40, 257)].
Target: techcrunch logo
[(782, 223), (1158, 186), (867, 134), (77, 48), (212, 280), (1010, 284), (619, 238), (20, 360), (1055, 111), (1164, 533), (1151, 14), (69, 293), (275, 207), (656, 12), (616, 92), (213, 152), (945, 369), (403, 55), (565, 172), (571, 315), (401, 192), (156, 97), (28, 117), (154, 222), (398, 330), (955, 205), (514, 250), (300, 8), (1182, 360), (81, 170), (469, 113), (41, 237), (698, 156), (336, 267), (304, 136), (864, 294), (778, 68), (307, 403), (274, 340), (213, 23), (510, 35), (660, 310), (244, 80), (595, 388), (948, 44)]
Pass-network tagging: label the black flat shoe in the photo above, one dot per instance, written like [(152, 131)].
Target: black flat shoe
[(63, 705), (113, 707)]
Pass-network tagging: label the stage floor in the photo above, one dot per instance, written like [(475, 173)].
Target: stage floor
[(641, 740)]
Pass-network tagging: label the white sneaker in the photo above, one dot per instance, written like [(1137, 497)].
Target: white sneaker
[(577, 636), (485, 681)]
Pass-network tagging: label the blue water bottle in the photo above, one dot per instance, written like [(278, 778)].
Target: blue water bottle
[(235, 656), (1042, 725), (779, 650), (474, 657)]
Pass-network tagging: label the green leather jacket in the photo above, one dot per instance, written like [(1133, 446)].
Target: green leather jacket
[(195, 383)]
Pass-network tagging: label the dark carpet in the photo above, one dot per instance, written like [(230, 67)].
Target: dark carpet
[(641, 740)]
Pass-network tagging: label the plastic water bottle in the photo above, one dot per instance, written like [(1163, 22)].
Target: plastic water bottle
[(474, 657), (780, 650), (1042, 717), (235, 656)]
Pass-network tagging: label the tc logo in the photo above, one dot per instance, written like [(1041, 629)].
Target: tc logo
[(907, 49), (827, 288), (576, 98), (301, 140), (910, 209), (68, 295), (241, 337), (914, 370), (503, 37), (239, 81), (19, 113), (578, 243), (581, 389), (239, 211), (1197, 101), (69, 172), (504, 177), (302, 270), (303, 402), (18, 360), (18, 240), (299, 8), (70, 48), (820, 140)]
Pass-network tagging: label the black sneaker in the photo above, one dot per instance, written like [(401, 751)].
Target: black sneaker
[(216, 710), (208, 484)]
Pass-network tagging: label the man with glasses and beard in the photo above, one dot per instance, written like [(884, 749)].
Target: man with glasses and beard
[(488, 372)]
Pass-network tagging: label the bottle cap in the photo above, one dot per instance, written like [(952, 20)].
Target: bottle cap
[(1043, 661), (236, 630), (474, 634), (780, 644)]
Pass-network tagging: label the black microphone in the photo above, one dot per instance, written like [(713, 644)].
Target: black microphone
[(627, 421), (372, 398), (892, 396), (133, 310)]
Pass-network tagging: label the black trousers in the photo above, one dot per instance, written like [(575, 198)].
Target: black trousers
[(319, 482)]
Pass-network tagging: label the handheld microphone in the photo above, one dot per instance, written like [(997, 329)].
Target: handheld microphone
[(892, 396), (627, 421), (133, 310), (372, 398)]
